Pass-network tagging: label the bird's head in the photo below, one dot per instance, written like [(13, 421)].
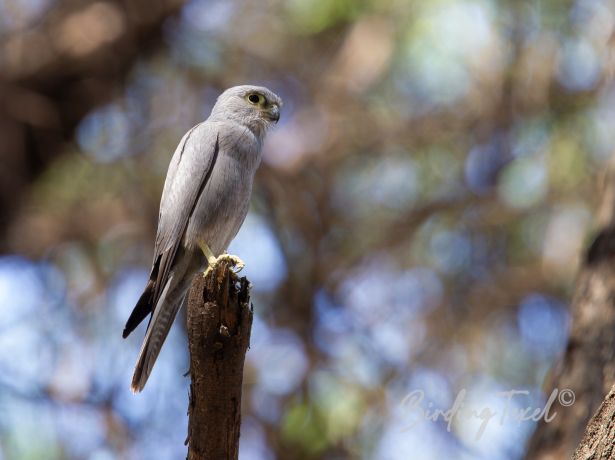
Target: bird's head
[(252, 106)]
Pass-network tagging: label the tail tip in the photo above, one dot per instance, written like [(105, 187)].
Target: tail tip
[(139, 379), (136, 387)]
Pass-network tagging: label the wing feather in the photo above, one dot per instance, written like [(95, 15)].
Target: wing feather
[(188, 174), (196, 162)]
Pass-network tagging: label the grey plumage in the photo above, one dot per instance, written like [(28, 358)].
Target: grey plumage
[(205, 199)]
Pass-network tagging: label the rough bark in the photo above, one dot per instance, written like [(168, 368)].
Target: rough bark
[(588, 366), (598, 443), (219, 325)]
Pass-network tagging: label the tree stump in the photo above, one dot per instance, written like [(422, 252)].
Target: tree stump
[(219, 325)]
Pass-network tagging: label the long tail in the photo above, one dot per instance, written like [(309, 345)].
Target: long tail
[(166, 309)]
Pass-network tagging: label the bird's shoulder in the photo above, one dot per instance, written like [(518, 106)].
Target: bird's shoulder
[(231, 134)]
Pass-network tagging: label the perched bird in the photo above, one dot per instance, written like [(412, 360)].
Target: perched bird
[(204, 202)]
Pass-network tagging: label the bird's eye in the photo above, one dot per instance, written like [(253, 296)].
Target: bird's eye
[(255, 98)]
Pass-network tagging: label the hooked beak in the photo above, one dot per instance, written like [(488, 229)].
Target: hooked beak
[(274, 113)]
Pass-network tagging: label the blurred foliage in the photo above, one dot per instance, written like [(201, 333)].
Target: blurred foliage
[(417, 223)]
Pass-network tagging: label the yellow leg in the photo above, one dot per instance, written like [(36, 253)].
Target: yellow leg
[(211, 259)]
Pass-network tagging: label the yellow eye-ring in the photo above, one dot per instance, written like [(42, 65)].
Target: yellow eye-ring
[(256, 98)]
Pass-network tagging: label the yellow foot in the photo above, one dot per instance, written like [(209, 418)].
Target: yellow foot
[(213, 261), (234, 262)]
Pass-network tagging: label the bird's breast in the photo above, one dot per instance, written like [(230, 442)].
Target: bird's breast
[(223, 203)]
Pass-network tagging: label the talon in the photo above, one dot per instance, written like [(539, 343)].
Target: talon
[(238, 264), (234, 261), (212, 261)]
